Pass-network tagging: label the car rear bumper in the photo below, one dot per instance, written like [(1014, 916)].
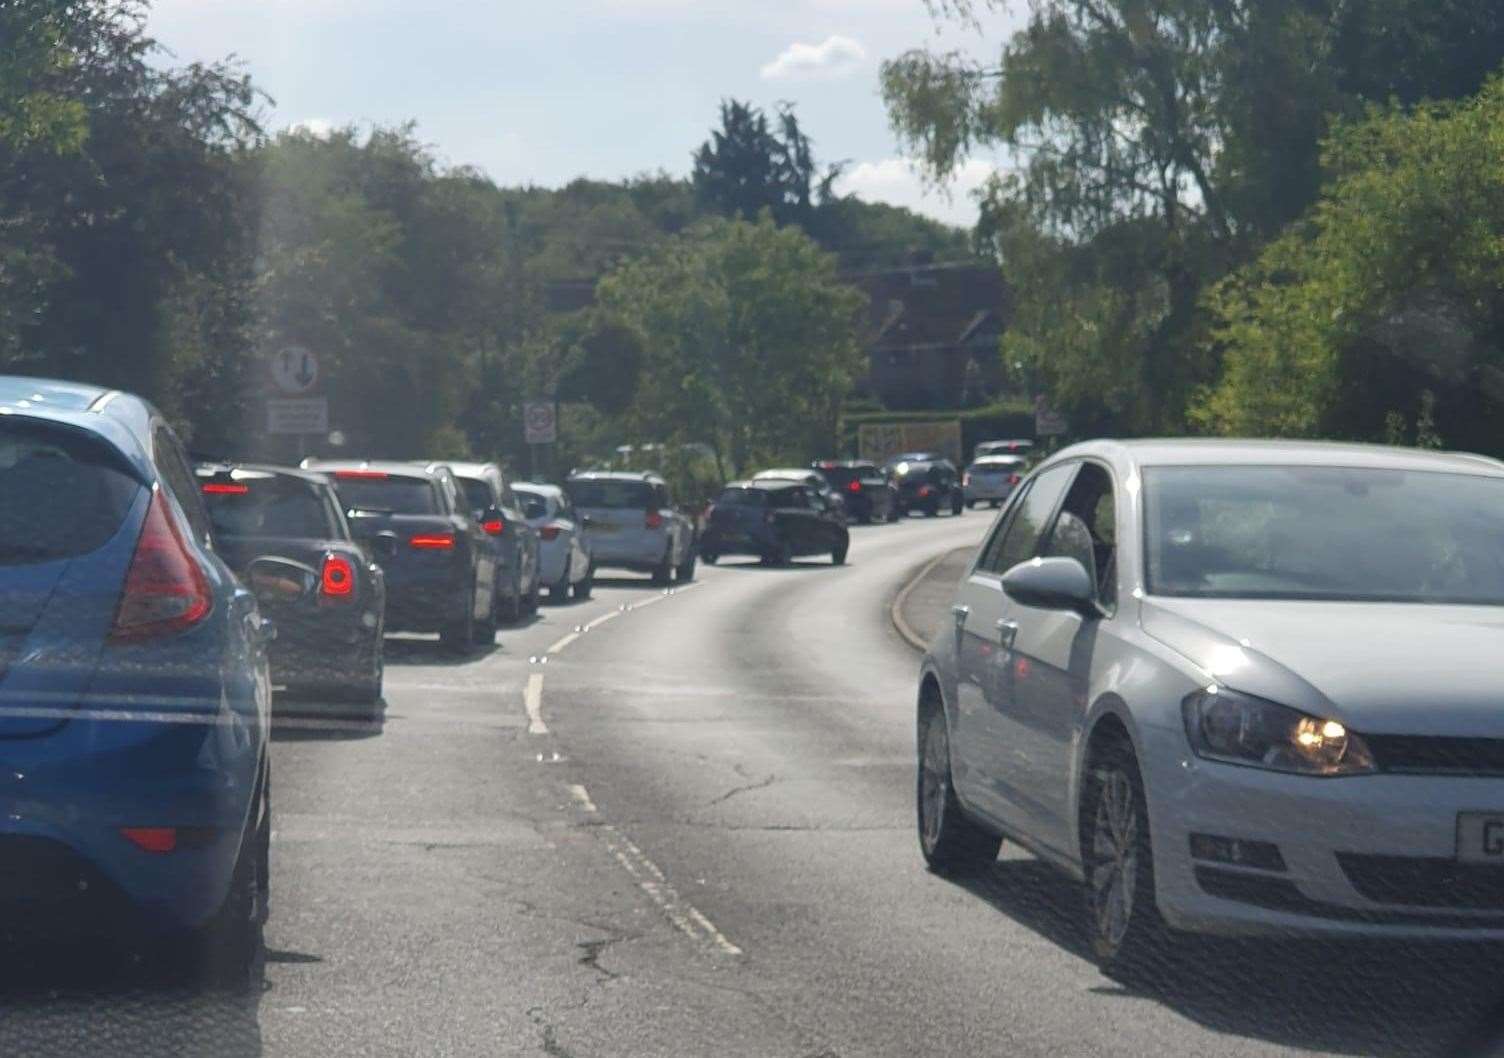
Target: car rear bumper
[(552, 558), (981, 491), (416, 606), (738, 541), (639, 550), (325, 645), (1362, 855)]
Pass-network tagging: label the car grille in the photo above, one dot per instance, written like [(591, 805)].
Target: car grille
[(1429, 755), (1425, 881)]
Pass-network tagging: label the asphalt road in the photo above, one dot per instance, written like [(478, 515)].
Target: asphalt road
[(681, 824)]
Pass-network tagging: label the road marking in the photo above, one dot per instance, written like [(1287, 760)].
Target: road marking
[(532, 697), (685, 917), (602, 619), (561, 644), (581, 796)]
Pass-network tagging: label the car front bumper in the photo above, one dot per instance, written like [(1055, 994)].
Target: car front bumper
[(1367, 855)]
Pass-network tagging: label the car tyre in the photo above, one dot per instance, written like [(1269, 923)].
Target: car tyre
[(894, 514), (838, 555), (458, 637), (485, 631), (535, 595), (558, 591), (957, 505), (511, 605), (663, 573), (586, 585), (950, 841), (229, 951), (686, 571), (710, 558), (1129, 938), (932, 509)]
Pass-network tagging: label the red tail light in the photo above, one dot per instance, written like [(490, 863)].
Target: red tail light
[(549, 532), (854, 486), (222, 488), (151, 839), (494, 526), (432, 542), (654, 520), (925, 490), (165, 592), (361, 475), (337, 580)]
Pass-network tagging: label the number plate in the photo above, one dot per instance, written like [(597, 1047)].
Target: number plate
[(1480, 837)]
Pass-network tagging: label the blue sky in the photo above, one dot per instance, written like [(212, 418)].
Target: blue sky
[(546, 91)]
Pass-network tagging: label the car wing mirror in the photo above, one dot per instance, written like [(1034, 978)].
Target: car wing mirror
[(1052, 584), (276, 580)]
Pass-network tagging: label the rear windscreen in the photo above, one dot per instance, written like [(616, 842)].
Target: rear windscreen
[(284, 507), (626, 495), (391, 495), (61, 493), (477, 493), (741, 498), (840, 477), (533, 505)]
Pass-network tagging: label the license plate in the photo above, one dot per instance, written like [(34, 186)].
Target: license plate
[(603, 527), (1480, 837)]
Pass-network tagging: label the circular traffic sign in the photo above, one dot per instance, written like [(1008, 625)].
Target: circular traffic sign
[(295, 369)]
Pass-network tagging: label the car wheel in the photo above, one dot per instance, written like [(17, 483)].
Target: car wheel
[(485, 631), (664, 571), (951, 843), (932, 509), (686, 572), (558, 591), (459, 635), (838, 555), (957, 505), (510, 611), (710, 557), (535, 594), (228, 951), (1128, 936), (586, 585), (995, 504), (893, 514)]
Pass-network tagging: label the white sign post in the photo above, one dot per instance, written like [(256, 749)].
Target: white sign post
[(302, 415)]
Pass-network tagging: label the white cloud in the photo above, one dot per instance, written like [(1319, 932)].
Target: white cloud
[(834, 57), (319, 128), (896, 182)]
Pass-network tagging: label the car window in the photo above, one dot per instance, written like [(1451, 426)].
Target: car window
[(268, 506), (1019, 539), (478, 495), (532, 504), (178, 476), (611, 495), (790, 499), (397, 494), (61, 493), (1086, 530)]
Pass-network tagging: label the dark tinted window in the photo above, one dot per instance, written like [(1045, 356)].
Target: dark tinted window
[(626, 495), (533, 505), (399, 495), (477, 493), (840, 477), (788, 499), (1018, 540), (739, 497), (61, 494), (270, 507)]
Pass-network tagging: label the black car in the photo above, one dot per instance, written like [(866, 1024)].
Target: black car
[(928, 486), (869, 496), (440, 573), (329, 642), (775, 520)]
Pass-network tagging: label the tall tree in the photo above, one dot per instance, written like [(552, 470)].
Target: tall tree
[(749, 165)]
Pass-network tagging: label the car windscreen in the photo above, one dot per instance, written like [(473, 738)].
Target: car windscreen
[(533, 504), (1330, 533), (477, 493), (62, 493), (268, 506), (621, 495), (399, 495), (742, 497)]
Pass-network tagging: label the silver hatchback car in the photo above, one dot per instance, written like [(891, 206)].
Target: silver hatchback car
[(1234, 687), (634, 524)]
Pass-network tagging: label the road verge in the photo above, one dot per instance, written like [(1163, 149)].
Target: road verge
[(913, 603)]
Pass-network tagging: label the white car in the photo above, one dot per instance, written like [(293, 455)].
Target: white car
[(991, 479), (1235, 687), (565, 564)]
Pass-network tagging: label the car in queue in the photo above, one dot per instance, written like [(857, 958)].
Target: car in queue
[(329, 642), (130, 654), (992, 479), (514, 543), (1237, 687), (867, 493), (564, 547), (1019, 446), (634, 524), (812, 479), (930, 485), (776, 520), (439, 566)]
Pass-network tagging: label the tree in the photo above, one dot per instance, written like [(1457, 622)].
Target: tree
[(746, 167)]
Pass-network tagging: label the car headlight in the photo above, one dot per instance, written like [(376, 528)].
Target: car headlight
[(1240, 729)]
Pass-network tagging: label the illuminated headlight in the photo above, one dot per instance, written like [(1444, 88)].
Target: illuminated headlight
[(1227, 726)]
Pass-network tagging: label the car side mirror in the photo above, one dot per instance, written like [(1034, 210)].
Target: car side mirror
[(280, 580), (1052, 584)]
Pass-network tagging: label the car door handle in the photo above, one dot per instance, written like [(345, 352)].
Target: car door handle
[(1007, 632)]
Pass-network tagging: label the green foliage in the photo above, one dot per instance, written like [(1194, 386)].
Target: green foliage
[(35, 113), (1391, 286)]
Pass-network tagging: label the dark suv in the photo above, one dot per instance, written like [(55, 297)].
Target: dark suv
[(868, 494), (928, 486)]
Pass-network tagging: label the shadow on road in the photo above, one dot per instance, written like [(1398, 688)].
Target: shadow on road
[(88, 999), (1387, 999), (428, 652)]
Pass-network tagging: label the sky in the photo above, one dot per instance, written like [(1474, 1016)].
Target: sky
[(545, 91)]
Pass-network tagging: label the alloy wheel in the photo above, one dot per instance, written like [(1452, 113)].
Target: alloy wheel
[(1115, 851)]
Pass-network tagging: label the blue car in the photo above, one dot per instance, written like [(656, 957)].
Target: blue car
[(134, 694)]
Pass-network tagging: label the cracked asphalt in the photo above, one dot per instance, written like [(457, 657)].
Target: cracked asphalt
[(710, 852)]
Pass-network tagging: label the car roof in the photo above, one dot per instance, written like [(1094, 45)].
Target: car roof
[(847, 464), (763, 483), (618, 475), (787, 474), (1007, 441), (464, 469), (1000, 458), (121, 419), (540, 489), (36, 393), (1150, 452), (394, 467), (217, 468)]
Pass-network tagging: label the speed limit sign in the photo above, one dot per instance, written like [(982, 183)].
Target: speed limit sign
[(539, 422)]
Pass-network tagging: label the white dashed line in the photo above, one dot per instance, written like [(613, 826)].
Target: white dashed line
[(561, 644), (581, 796), (532, 697), (685, 917), (602, 619)]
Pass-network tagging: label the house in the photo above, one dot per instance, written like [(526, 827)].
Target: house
[(933, 333)]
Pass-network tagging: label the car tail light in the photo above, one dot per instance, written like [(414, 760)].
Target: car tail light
[(361, 475), (494, 526), (654, 520), (165, 592), (151, 839), (925, 490), (549, 532), (225, 488), (432, 542), (337, 579), (854, 486), (1014, 479)]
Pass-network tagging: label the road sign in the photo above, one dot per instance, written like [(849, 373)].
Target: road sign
[(295, 370), (303, 415), (540, 422)]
